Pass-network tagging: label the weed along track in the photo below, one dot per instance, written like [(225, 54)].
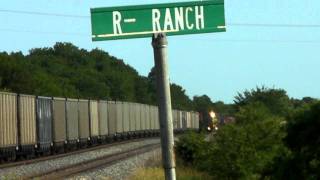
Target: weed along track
[(107, 160)]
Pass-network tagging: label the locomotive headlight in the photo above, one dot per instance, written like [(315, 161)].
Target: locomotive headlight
[(212, 114)]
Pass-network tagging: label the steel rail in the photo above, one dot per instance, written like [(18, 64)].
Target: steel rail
[(107, 160), (52, 157)]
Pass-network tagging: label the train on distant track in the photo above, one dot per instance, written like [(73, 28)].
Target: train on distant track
[(34, 125)]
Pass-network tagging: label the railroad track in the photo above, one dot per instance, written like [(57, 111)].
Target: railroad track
[(46, 158), (69, 170)]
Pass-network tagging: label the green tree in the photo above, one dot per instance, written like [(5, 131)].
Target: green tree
[(68, 71), (204, 105), (297, 103), (276, 100), (179, 99), (303, 140), (246, 149), (224, 109)]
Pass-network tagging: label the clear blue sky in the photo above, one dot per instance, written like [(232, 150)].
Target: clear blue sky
[(219, 65)]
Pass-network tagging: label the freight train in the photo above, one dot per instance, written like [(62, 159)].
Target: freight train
[(33, 125)]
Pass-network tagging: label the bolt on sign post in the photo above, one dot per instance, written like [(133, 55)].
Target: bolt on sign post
[(157, 21)]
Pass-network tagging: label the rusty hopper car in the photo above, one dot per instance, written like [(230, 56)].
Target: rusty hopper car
[(94, 121), (59, 124), (112, 119), (84, 122), (103, 121), (143, 119), (44, 124), (27, 124), (132, 117), (148, 119), (119, 119), (72, 107), (175, 120), (152, 120), (138, 119), (8, 125), (126, 118)]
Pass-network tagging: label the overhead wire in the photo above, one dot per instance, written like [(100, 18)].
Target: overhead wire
[(42, 32), (276, 25), (228, 24), (42, 13), (217, 40), (260, 41), (213, 40)]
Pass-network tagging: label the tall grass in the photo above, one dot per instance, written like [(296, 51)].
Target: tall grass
[(156, 173), (152, 170)]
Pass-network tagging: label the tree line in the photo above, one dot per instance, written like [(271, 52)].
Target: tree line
[(65, 70)]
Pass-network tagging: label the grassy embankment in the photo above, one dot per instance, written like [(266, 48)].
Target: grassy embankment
[(152, 169)]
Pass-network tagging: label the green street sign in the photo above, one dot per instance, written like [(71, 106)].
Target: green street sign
[(142, 21)]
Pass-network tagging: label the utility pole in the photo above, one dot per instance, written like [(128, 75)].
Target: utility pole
[(160, 43)]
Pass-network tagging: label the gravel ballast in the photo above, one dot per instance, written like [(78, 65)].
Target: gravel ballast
[(120, 170), (20, 171)]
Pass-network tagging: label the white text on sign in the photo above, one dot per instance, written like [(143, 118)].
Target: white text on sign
[(168, 21)]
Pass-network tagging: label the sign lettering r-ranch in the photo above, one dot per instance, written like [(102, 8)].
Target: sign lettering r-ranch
[(143, 21)]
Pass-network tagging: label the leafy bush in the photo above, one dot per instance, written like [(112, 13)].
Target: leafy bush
[(303, 140), (273, 138), (243, 150), (191, 147)]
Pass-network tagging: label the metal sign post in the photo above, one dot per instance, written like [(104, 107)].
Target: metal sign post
[(178, 18), (160, 43)]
